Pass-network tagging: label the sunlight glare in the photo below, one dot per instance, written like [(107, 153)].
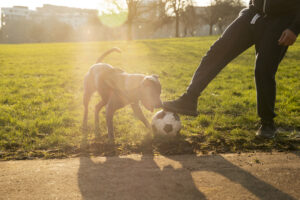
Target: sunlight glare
[(113, 13)]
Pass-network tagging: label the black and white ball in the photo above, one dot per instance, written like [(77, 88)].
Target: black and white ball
[(166, 123)]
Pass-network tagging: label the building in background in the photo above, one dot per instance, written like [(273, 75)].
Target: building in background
[(74, 17), (14, 13), (17, 21)]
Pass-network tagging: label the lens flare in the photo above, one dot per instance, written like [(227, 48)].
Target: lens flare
[(113, 13), (113, 19)]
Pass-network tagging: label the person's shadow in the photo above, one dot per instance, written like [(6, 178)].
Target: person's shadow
[(148, 177)]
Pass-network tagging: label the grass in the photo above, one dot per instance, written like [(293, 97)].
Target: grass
[(41, 107)]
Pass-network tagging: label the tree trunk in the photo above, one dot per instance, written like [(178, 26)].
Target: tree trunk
[(177, 25), (129, 31), (192, 33), (185, 31), (211, 29)]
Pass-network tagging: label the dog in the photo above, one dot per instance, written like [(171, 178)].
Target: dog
[(117, 90)]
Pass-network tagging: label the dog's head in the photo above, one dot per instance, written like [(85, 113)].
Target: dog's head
[(150, 92)]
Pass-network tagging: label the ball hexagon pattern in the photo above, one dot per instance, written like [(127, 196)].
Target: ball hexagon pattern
[(166, 123)]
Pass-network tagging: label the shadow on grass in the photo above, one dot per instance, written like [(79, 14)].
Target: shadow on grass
[(145, 177), (201, 143)]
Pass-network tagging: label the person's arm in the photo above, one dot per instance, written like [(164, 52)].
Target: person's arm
[(289, 36), (295, 27)]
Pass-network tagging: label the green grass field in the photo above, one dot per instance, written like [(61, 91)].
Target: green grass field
[(41, 100)]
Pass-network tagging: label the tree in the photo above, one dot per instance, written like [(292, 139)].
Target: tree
[(227, 12), (1, 35), (132, 11), (189, 20), (210, 16), (177, 7), (220, 13), (158, 16), (133, 14)]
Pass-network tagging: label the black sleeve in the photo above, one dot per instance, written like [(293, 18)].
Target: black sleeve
[(295, 27)]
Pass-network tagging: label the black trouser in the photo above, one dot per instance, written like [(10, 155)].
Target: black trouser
[(238, 37)]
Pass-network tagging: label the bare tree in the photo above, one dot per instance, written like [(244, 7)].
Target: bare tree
[(209, 15), (227, 12), (159, 17), (133, 14), (155, 16), (189, 20), (177, 7), (221, 13), (1, 35)]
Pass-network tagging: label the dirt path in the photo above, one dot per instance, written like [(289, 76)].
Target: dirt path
[(229, 176)]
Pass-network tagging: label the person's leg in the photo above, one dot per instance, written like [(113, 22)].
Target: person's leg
[(237, 38), (268, 56)]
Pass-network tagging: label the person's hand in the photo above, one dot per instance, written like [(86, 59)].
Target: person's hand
[(287, 38)]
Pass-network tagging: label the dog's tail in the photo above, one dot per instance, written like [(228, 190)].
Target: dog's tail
[(108, 52)]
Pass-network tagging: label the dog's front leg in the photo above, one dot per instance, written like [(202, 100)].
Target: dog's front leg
[(112, 106), (84, 121), (139, 113), (86, 99)]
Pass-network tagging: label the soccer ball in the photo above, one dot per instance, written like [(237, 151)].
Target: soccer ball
[(166, 123)]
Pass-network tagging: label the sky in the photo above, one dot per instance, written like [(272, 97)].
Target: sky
[(92, 4)]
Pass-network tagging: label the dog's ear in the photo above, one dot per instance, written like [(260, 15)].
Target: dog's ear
[(149, 80), (155, 76)]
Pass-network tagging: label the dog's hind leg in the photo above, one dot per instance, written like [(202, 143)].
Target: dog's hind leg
[(112, 106), (88, 91), (86, 98), (98, 107), (105, 96)]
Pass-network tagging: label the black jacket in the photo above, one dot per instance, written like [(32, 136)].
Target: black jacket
[(279, 8)]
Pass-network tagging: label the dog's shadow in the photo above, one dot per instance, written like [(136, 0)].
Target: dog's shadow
[(169, 177), (136, 177)]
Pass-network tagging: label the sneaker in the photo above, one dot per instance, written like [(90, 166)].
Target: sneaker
[(267, 130), (185, 105)]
